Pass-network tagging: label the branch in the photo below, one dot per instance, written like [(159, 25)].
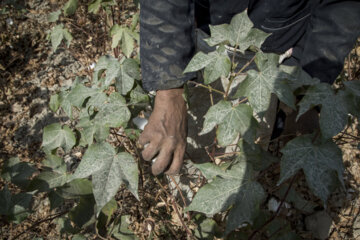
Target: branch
[(207, 87)]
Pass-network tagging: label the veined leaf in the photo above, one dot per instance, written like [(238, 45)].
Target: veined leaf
[(322, 164), (54, 16), (231, 121), (55, 136), (59, 33), (258, 86), (234, 187), (333, 115), (217, 64), (15, 207), (124, 73), (108, 170), (114, 113), (70, 7), (125, 36), (297, 77), (94, 6), (17, 172), (239, 33)]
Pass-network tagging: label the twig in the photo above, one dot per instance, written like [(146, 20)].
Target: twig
[(180, 217), (245, 66), (175, 207), (41, 221), (277, 210), (241, 101), (207, 87), (181, 195)]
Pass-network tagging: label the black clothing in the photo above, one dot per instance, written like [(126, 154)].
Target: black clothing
[(321, 32)]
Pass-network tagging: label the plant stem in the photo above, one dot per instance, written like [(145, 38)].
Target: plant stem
[(175, 208), (181, 194), (207, 87), (245, 66)]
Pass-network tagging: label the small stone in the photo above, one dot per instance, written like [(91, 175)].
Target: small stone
[(319, 224)]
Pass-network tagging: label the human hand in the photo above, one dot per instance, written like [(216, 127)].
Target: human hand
[(166, 132)]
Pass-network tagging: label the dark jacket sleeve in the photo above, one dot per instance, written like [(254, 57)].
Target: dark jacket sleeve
[(166, 42), (330, 36)]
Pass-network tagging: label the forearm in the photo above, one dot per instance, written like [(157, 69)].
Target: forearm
[(166, 42)]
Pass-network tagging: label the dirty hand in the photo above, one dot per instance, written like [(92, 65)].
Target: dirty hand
[(166, 132)]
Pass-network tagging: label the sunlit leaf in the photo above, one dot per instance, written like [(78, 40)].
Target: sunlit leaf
[(108, 170), (258, 86), (55, 136)]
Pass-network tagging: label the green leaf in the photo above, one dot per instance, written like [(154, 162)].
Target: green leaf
[(59, 33), (122, 231), (15, 207), (17, 172), (125, 36), (206, 227), (231, 121), (219, 34), (80, 93), (239, 33), (54, 103), (124, 72), (75, 189), (114, 113), (55, 200), (321, 163), (54, 16), (215, 115), (65, 104), (238, 120), (105, 217), (110, 65), (5, 201), (109, 173), (70, 7), (55, 136), (137, 95), (234, 187), (247, 204), (217, 64), (128, 72), (333, 115), (83, 214), (91, 129), (258, 86), (297, 77), (48, 180), (219, 68), (55, 163), (199, 61), (94, 6)]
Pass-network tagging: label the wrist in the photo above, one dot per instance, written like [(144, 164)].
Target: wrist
[(170, 93)]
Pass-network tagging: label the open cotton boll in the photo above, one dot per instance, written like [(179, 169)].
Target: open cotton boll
[(140, 122)]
